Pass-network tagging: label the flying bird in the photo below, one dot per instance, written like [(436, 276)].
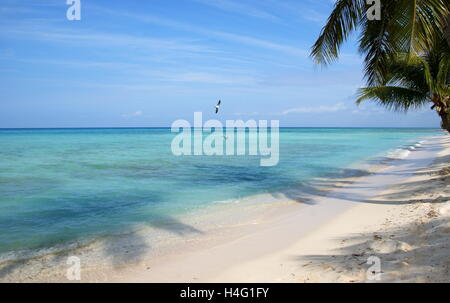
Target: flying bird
[(218, 106)]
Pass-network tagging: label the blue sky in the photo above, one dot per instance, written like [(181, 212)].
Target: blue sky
[(139, 63)]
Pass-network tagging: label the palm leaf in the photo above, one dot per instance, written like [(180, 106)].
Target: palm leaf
[(378, 45), (343, 20), (406, 26), (420, 22), (413, 72), (393, 97)]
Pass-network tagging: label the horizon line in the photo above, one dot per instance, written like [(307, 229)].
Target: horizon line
[(169, 127)]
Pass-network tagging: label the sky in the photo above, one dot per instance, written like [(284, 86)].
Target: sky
[(140, 63)]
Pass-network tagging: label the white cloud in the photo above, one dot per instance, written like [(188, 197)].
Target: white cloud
[(247, 114), (213, 33), (105, 39), (135, 114), (310, 11), (302, 110), (315, 109), (203, 77), (239, 8)]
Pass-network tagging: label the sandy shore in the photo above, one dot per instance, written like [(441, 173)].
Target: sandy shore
[(399, 215), (395, 217)]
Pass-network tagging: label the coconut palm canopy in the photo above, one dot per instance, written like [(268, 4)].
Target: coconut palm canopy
[(406, 53), (406, 26), (413, 81)]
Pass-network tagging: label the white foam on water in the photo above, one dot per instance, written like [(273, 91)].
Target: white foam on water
[(229, 201), (399, 153), (402, 153)]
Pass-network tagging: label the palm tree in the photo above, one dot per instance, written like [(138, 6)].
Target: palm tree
[(413, 81), (406, 26), (406, 53)]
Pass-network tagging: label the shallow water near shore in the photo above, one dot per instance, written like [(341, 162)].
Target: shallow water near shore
[(64, 186)]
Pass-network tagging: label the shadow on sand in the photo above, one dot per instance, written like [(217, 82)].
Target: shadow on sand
[(410, 260), (118, 250), (132, 247)]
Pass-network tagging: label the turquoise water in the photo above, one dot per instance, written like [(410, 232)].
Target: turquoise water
[(62, 185)]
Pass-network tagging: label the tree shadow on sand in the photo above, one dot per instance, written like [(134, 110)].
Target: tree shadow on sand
[(133, 247), (400, 193), (413, 252), (117, 250), (320, 187)]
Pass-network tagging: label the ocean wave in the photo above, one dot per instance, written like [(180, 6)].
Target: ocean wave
[(404, 152), (399, 153), (228, 201)]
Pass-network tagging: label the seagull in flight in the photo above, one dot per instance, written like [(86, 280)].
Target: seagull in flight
[(218, 106)]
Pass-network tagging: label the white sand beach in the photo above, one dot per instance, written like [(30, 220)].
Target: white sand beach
[(398, 212)]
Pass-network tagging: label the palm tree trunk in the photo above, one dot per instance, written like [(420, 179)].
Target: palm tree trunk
[(445, 118)]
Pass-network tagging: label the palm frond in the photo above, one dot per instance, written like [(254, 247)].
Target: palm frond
[(413, 72), (443, 77), (406, 26), (393, 97), (344, 18), (420, 22), (438, 60), (377, 44)]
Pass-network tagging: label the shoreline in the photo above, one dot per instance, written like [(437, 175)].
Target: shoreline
[(271, 254), (264, 256), (234, 245)]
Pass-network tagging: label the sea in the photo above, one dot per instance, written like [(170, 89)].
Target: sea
[(60, 186)]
